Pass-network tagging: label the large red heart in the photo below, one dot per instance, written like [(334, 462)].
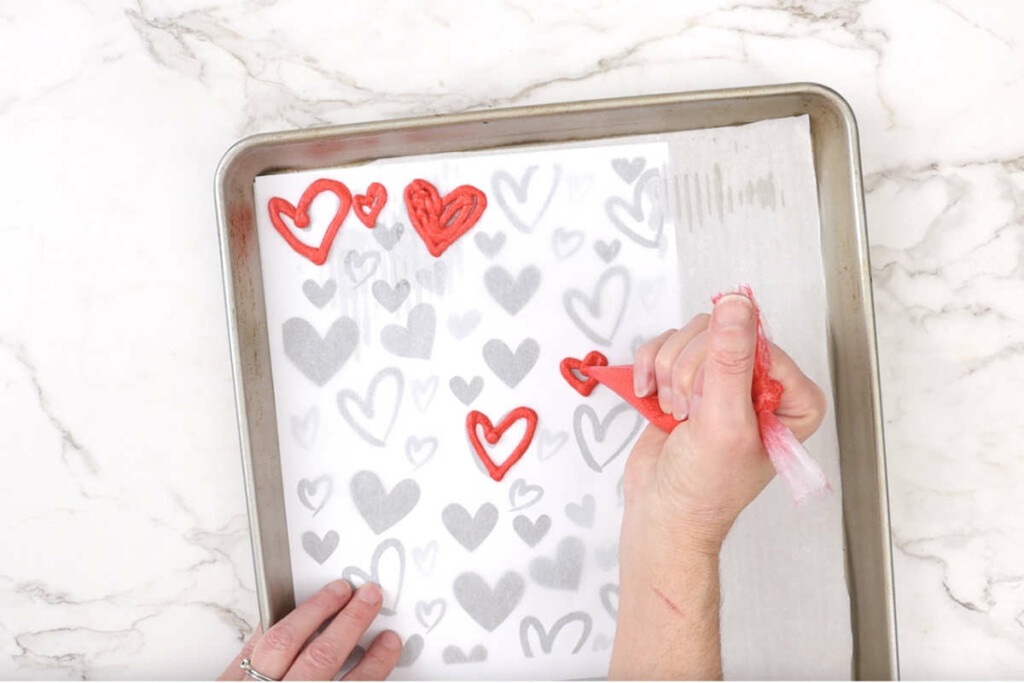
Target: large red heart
[(300, 216), (567, 366), (442, 221), (369, 205), (493, 434)]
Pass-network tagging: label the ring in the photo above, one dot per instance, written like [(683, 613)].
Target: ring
[(253, 673)]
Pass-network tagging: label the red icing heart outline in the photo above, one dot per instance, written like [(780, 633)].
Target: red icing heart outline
[(368, 206), (300, 216), (438, 221), (584, 387), (475, 418)]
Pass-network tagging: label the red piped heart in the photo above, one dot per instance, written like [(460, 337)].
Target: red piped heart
[(584, 387), (619, 378), (438, 221), (369, 205), (493, 434), (300, 216)]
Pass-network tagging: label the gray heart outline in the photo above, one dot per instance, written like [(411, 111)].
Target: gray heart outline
[(512, 294), (382, 509), (320, 548), (391, 298), (564, 570), (521, 488), (413, 446), (388, 237), (511, 367), (416, 340), (486, 606), (319, 358), (466, 391), (354, 260), (469, 530), (582, 513), (319, 295), (453, 654), (520, 191), (605, 592), (424, 609), (423, 391), (374, 575), (556, 439), (425, 558), (547, 638), (462, 325), (594, 304), (411, 650), (656, 221), (629, 169), (433, 279), (489, 245), (305, 428), (309, 488), (600, 428), (565, 243), (366, 406), (531, 532)]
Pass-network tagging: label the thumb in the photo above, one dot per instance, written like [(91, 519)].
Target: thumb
[(729, 365)]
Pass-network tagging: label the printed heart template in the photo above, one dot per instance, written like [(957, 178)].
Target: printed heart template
[(300, 217), (475, 418), (547, 638), (440, 221), (583, 386), (368, 206)]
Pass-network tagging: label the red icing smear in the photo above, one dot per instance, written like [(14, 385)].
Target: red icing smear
[(475, 418), (368, 206), (438, 221), (592, 359), (300, 216)]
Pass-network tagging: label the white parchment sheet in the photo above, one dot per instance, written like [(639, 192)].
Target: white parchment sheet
[(379, 355)]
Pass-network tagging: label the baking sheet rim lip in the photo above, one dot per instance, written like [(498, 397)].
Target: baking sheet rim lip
[(834, 101)]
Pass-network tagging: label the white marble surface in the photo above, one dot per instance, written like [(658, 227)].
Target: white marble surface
[(123, 546)]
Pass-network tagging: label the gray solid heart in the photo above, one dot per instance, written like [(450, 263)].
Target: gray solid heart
[(486, 606), (512, 293), (609, 594), (316, 357), (308, 492), (430, 614), (423, 391), (469, 530), (650, 184), (607, 250), (304, 428), (415, 340), (547, 638), (511, 367), (520, 191), (531, 532), (600, 431), (317, 294), (582, 513), (550, 443), (411, 651), (600, 643), (462, 325), (596, 306), (564, 570), (380, 508), (629, 169), (607, 558), (388, 237), (453, 654), (433, 280), (466, 391), (368, 407), (390, 297), (489, 245), (320, 548), (358, 577)]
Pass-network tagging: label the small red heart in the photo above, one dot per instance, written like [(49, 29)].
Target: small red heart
[(492, 434), (300, 217), (585, 387), (369, 205), (442, 221)]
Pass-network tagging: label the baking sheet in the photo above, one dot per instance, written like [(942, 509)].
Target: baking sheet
[(722, 183)]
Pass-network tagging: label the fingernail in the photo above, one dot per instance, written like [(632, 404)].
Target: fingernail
[(642, 380), (369, 593), (680, 407), (665, 399), (390, 640), (733, 310), (339, 587)]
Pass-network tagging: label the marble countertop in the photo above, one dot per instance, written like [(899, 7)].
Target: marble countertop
[(124, 543)]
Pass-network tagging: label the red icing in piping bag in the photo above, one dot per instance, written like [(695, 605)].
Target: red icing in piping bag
[(800, 472)]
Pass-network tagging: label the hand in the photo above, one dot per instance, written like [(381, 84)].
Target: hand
[(286, 651), (684, 490)]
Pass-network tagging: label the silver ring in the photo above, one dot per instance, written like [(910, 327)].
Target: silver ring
[(253, 673)]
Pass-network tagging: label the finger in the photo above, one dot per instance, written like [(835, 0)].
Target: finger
[(234, 671), (379, 660), (643, 364), (280, 645), (729, 367), (803, 403), (323, 657), (666, 358), (683, 372)]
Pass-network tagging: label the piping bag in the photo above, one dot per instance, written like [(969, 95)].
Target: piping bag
[(801, 473)]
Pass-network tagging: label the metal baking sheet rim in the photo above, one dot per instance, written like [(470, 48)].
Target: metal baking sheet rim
[(852, 345)]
